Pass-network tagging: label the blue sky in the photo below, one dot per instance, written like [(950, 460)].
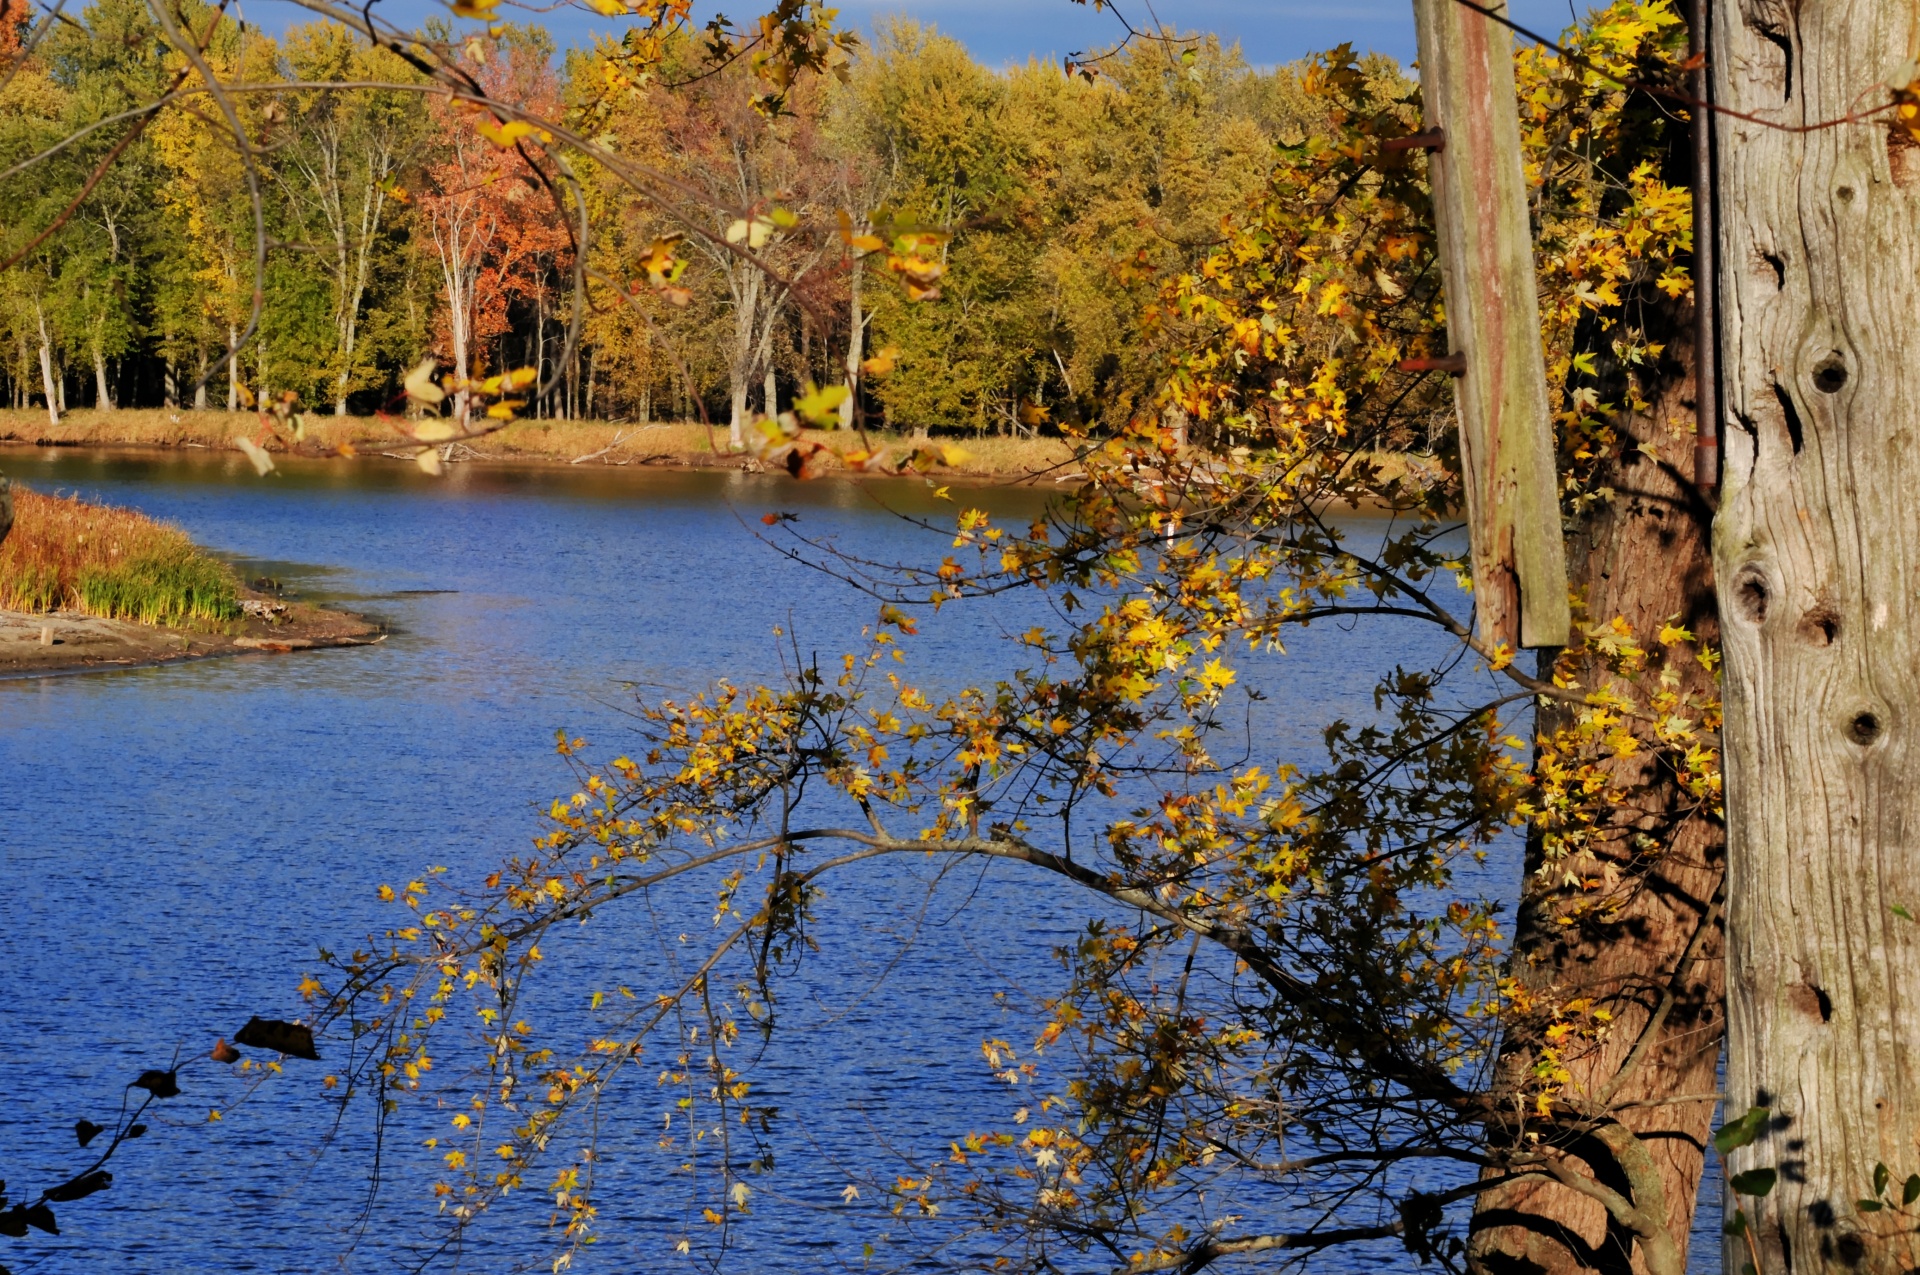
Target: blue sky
[(1003, 31)]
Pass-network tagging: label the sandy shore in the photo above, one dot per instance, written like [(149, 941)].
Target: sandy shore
[(68, 642)]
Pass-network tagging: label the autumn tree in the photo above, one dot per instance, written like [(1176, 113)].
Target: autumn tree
[(1359, 1047), (754, 206), (491, 227)]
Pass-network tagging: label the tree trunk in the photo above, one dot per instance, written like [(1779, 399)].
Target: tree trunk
[(1644, 557), (1817, 546), (856, 340), (102, 392), (770, 393), (736, 427), (46, 366), (1652, 954), (233, 368)]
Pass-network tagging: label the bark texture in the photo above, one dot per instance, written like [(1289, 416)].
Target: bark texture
[(1655, 965), (1817, 545)]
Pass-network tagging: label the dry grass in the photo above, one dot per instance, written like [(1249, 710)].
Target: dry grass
[(66, 554), (675, 443)]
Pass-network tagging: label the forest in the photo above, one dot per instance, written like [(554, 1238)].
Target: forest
[(1050, 201)]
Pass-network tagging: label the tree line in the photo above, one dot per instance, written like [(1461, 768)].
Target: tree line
[(1049, 203)]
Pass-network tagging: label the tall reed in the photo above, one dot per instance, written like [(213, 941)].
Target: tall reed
[(66, 554)]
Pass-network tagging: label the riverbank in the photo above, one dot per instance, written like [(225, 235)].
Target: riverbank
[(85, 585), (683, 444), (34, 643)]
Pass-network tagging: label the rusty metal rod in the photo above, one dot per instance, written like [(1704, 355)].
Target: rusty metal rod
[(1434, 139), (1451, 364)]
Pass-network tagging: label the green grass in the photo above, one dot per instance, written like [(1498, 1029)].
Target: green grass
[(115, 563)]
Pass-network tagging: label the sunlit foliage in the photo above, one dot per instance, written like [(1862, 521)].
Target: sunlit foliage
[(1282, 1026)]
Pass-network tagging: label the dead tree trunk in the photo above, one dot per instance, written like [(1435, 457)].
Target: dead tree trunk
[(1817, 548)]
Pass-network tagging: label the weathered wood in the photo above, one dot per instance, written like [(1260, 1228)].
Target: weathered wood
[(1706, 427), (1493, 319), (1817, 556)]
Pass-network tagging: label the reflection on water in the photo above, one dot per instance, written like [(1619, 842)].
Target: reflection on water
[(180, 840)]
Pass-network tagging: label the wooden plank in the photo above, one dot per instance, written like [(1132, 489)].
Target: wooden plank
[(1493, 324)]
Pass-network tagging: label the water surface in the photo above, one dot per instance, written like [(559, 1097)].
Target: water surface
[(179, 840)]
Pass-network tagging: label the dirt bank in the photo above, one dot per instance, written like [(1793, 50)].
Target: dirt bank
[(67, 642)]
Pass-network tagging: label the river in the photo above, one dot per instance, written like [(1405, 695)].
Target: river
[(179, 840)]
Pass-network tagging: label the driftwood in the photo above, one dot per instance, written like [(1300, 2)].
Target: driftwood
[(618, 437)]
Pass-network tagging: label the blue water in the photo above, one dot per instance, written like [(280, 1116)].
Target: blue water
[(180, 840)]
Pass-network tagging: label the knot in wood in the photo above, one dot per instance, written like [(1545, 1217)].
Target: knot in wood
[(1863, 728), (1830, 374)]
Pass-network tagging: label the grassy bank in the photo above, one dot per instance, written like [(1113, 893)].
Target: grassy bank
[(584, 442), (67, 554)]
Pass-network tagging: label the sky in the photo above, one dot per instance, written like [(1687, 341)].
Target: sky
[(999, 32)]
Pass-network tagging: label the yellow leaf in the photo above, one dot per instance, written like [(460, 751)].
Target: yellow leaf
[(429, 462), (607, 8), (262, 463), (504, 135), (435, 431), (822, 405), (881, 363), (754, 233), (954, 456), (419, 384)]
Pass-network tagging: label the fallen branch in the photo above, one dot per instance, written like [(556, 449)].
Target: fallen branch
[(581, 460)]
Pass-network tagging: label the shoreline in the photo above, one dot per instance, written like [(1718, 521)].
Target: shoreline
[(81, 643), (559, 444)]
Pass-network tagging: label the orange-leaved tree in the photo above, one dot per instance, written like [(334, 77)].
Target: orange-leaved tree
[(495, 229)]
